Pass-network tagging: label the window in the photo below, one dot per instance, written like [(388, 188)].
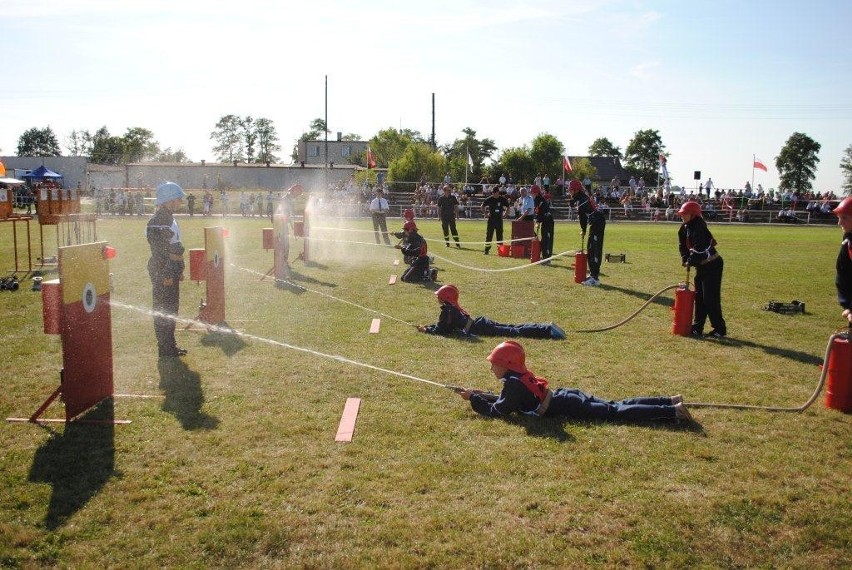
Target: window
[(314, 150), (345, 150)]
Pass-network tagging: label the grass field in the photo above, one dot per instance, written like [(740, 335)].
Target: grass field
[(234, 463)]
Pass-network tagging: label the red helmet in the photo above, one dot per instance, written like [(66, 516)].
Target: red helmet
[(409, 226), (535, 190), (448, 294), (509, 354), (408, 215), (690, 207), (845, 207), (295, 190), (575, 186)]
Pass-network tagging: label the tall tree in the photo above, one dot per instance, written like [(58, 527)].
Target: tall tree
[(643, 153), (138, 145), (603, 147), (390, 144), (249, 137), (38, 142), (229, 139), (418, 159), (267, 141), (106, 149), (79, 143), (516, 162), (546, 152), (457, 152), (846, 169), (797, 162)]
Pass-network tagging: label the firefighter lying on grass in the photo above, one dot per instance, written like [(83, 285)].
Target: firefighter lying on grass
[(526, 393), (455, 319)]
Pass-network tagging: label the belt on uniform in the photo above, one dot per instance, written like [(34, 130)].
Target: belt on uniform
[(542, 408), (710, 259)]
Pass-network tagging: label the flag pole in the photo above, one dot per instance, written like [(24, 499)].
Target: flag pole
[(753, 158), (466, 164)]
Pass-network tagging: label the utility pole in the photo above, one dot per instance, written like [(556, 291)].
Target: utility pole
[(433, 122)]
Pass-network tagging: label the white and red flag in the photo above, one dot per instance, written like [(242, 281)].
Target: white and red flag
[(566, 164), (759, 164)]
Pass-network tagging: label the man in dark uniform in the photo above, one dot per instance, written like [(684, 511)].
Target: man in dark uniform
[(843, 279), (589, 216), (495, 207), (544, 219), (165, 267), (448, 207), (698, 249)]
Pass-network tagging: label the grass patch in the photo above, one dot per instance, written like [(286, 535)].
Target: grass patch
[(234, 463)]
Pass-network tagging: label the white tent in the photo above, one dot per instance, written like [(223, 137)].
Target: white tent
[(11, 181)]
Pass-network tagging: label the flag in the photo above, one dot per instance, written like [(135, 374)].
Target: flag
[(566, 164), (371, 161), (469, 161), (759, 164)]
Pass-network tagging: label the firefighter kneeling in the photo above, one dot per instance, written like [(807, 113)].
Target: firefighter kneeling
[(415, 253)]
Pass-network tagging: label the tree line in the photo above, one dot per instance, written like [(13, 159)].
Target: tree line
[(408, 155)]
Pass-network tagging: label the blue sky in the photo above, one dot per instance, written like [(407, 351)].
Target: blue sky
[(720, 80)]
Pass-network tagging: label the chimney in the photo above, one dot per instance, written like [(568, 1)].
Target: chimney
[(339, 136)]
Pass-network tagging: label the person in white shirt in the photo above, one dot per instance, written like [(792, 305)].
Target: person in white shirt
[(379, 209)]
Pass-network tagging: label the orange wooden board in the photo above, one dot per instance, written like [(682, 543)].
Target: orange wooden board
[(392, 280), (347, 422)]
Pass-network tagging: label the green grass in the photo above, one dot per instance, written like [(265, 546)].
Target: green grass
[(235, 464)]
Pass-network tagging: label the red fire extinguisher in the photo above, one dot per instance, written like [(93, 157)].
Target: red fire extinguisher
[(684, 306), (838, 386), (535, 250), (580, 259)]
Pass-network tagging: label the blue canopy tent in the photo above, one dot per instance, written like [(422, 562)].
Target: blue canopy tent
[(42, 173)]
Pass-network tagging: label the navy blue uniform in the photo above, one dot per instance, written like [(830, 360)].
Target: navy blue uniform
[(544, 217), (496, 207), (698, 249), (166, 262), (569, 402), (591, 217), (415, 252), (843, 279), (452, 319), (448, 206)]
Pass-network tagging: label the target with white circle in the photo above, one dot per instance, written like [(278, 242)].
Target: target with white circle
[(90, 297)]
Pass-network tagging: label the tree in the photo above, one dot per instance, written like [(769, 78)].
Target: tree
[(267, 141), (138, 145), (79, 143), (797, 162), (418, 159), (457, 152), (581, 168), (317, 131), (603, 147), (390, 144), (106, 149), (169, 155), (546, 153), (249, 137), (38, 142), (643, 154), (229, 140), (846, 169), (517, 163)]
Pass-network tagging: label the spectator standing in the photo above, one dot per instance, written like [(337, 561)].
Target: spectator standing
[(190, 204)]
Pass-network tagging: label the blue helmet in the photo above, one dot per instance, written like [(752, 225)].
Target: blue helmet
[(168, 191)]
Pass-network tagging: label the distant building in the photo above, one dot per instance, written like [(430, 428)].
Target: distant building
[(607, 167), (339, 151)]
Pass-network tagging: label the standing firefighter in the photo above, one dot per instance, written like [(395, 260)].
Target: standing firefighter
[(544, 220), (843, 279), (590, 216), (448, 207), (698, 250), (165, 267), (495, 207)]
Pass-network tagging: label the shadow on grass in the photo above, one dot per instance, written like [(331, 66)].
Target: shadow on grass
[(229, 343), (183, 395), (554, 428), (76, 463), (315, 265), (662, 301), (796, 355), (296, 276)]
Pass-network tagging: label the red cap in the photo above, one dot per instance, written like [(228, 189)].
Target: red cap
[(845, 207)]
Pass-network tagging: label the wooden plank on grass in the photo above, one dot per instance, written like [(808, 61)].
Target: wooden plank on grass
[(347, 422), (392, 280), (374, 326), (396, 262)]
